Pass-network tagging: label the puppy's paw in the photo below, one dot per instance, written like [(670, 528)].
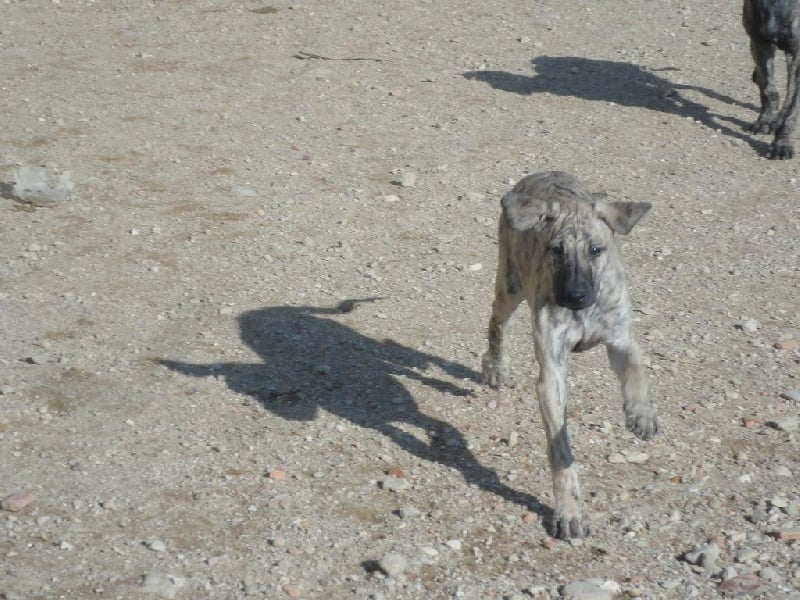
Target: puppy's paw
[(781, 150), (566, 527), (762, 126), (642, 423), (495, 371)]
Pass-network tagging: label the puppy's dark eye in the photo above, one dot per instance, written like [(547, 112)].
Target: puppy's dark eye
[(594, 250), (556, 250)]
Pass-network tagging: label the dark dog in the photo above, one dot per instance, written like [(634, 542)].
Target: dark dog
[(557, 252), (772, 25)]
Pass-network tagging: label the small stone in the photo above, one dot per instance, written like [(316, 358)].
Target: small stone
[(779, 502), (454, 544), (749, 325), (770, 574), (475, 197), (513, 438), (616, 458), (394, 484), (793, 395), (746, 555), (293, 591), (156, 546), (409, 512), (789, 344), (165, 586), (244, 190), (747, 583), (429, 551), (636, 457), (704, 556), (728, 573), (393, 564), (670, 584), (390, 198), (759, 515), (37, 359), (16, 502), (395, 472), (786, 535), (530, 517), (750, 421), (590, 589), (475, 267), (785, 424), (110, 504), (409, 179), (277, 475)]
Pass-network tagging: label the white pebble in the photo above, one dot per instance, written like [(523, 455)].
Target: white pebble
[(393, 564), (395, 484), (409, 179), (750, 325)]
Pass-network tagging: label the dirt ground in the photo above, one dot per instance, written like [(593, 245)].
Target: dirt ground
[(241, 360)]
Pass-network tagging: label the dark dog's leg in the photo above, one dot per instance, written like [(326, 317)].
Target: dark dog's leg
[(764, 75), (569, 518), (507, 297), (782, 147)]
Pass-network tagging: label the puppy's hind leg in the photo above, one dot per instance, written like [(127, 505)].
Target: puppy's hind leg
[(507, 297)]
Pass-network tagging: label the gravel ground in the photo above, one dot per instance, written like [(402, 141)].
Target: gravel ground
[(240, 361)]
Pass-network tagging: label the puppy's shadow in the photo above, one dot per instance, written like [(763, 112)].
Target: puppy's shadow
[(310, 361), (622, 83)]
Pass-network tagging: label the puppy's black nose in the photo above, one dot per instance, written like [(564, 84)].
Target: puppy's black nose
[(574, 299)]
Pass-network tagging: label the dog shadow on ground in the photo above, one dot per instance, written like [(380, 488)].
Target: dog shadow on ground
[(624, 84), (312, 362)]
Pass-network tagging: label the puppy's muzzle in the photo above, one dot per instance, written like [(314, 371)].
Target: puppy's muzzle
[(575, 298)]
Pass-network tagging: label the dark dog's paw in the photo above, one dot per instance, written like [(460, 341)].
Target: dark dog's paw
[(781, 150), (642, 425), (569, 528), (764, 126)]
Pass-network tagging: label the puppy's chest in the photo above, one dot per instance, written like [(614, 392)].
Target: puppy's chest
[(588, 328)]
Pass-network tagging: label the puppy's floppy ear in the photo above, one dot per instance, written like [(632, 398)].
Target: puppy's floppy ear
[(621, 216), (524, 211)]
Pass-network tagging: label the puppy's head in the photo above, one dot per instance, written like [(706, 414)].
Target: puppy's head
[(575, 231)]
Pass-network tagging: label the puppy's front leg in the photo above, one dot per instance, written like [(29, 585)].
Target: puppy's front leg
[(569, 519), (626, 362), (508, 296)]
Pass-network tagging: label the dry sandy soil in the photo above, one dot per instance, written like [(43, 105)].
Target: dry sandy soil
[(196, 403)]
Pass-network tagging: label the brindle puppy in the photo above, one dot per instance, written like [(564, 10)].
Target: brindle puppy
[(772, 25), (557, 251)]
